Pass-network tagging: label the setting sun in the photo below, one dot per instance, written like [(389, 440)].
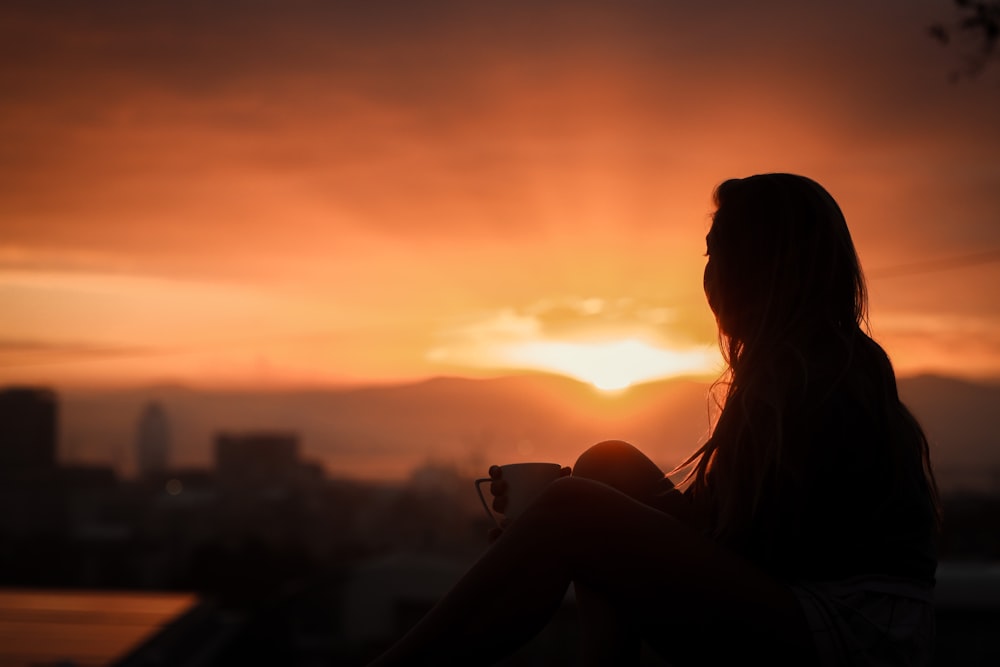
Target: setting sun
[(612, 365)]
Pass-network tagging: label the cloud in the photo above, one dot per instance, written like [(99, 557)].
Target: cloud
[(596, 317), (926, 341), (607, 342), (20, 353), (256, 124), (398, 162), (575, 318)]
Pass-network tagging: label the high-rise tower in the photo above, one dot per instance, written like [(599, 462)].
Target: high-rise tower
[(152, 444), (28, 419)]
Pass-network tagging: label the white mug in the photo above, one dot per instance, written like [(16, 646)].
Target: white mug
[(524, 482)]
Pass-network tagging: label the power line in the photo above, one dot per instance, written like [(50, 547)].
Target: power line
[(933, 265)]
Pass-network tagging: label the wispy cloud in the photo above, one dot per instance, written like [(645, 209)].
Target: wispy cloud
[(967, 345), (609, 343), (19, 353)]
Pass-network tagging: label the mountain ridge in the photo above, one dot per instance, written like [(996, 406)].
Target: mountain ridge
[(385, 431)]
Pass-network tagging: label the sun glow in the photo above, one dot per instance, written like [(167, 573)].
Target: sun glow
[(612, 365)]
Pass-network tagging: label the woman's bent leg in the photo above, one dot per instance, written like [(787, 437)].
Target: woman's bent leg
[(619, 464), (638, 558), (609, 636)]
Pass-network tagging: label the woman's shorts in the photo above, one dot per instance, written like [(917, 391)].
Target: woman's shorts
[(871, 621)]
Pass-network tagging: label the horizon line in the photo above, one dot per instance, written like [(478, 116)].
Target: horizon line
[(362, 385)]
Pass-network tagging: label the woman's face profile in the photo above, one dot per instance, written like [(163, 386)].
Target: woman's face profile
[(710, 279), (718, 283)]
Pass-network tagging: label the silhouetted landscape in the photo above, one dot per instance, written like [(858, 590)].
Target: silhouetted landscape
[(382, 433), (246, 501)]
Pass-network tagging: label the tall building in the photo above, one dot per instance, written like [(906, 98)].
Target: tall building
[(152, 443), (32, 502), (28, 419)]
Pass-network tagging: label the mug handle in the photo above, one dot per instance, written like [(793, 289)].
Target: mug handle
[(482, 499)]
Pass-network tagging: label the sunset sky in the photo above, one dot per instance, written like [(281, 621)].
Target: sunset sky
[(272, 193)]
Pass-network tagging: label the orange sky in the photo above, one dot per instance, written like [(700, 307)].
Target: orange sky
[(283, 193)]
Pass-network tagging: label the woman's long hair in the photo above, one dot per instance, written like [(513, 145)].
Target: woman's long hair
[(789, 296)]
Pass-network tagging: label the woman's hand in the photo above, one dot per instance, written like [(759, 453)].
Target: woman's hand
[(498, 489)]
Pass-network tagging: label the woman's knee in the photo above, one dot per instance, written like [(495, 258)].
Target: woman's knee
[(619, 464), (607, 453)]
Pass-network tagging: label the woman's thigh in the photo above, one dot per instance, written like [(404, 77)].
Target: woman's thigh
[(662, 573)]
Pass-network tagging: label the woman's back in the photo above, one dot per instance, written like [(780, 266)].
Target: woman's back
[(849, 496)]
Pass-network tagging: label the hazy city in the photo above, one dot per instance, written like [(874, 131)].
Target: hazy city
[(268, 554)]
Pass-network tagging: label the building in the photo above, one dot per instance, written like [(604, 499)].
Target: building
[(152, 443), (33, 501), (28, 430)]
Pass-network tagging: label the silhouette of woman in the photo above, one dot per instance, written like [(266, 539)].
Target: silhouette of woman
[(805, 531)]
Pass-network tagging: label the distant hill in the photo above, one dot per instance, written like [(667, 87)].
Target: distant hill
[(962, 422), (384, 432)]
